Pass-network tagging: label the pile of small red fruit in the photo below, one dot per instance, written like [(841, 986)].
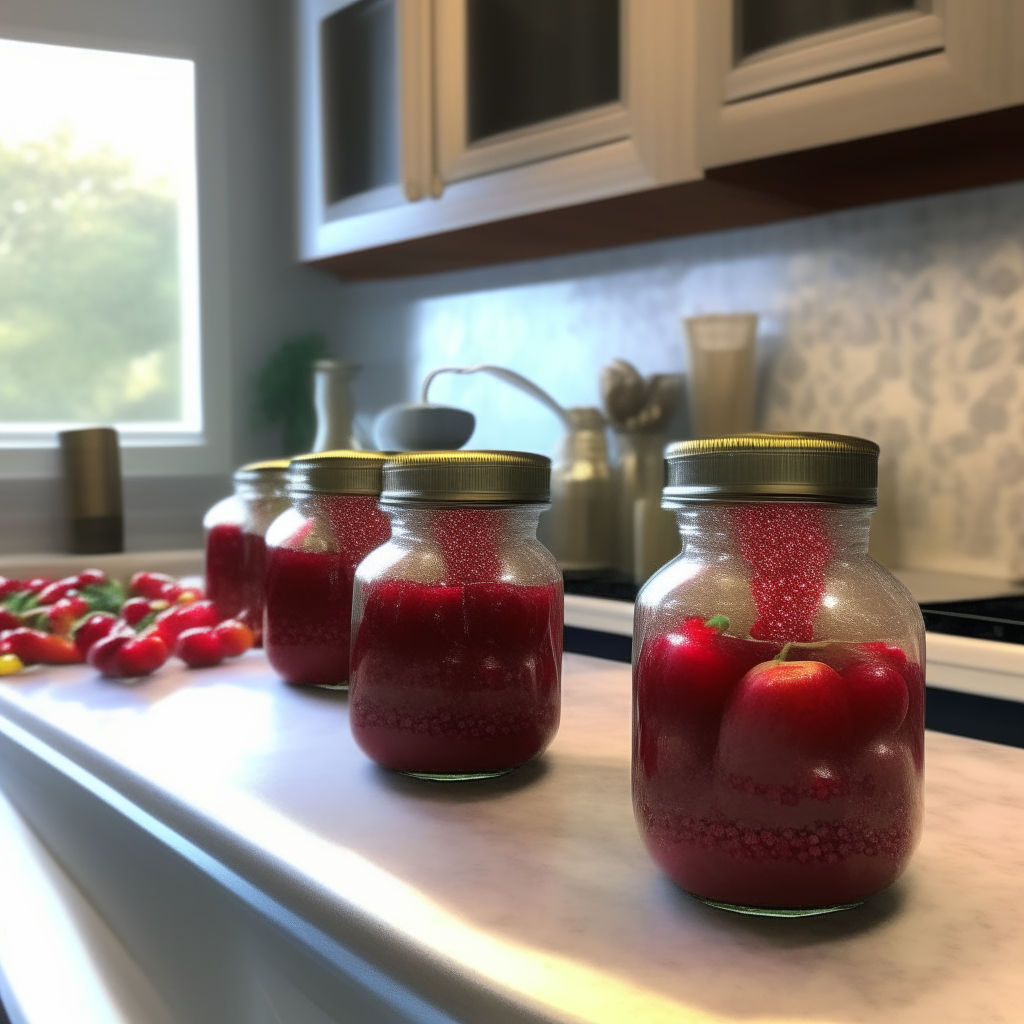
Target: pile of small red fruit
[(88, 617)]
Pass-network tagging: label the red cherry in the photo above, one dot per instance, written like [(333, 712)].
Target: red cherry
[(8, 620), (878, 698), (95, 628), (91, 578), (173, 622), (60, 650), (28, 644), (235, 637), (8, 587), (199, 648), (55, 591), (140, 656), (134, 610), (103, 652), (36, 585), (149, 584), (64, 613)]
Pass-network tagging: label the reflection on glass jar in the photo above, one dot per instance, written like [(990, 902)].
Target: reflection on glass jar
[(235, 545), (312, 553), (778, 723), (456, 661)]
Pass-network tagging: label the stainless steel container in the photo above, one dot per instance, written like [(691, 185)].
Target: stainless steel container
[(92, 488)]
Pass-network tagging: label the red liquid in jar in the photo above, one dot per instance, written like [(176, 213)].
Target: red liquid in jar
[(255, 570), (226, 583), (236, 574), (456, 680), (798, 786), (308, 615)]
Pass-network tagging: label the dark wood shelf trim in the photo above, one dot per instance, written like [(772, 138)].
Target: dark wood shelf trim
[(970, 152)]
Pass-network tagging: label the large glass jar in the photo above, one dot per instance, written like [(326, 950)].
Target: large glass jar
[(778, 709), (235, 547), (312, 553), (457, 620)]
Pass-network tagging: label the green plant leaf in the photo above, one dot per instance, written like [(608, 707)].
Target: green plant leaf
[(284, 390)]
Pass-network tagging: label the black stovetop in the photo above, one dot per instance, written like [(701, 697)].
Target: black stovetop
[(989, 618)]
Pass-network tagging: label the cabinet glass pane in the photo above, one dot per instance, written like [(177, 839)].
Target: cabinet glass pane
[(533, 60), (760, 24), (360, 94)]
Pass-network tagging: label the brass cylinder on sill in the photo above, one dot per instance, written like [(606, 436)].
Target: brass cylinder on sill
[(92, 489)]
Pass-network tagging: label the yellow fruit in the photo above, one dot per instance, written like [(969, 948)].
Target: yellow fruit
[(10, 664)]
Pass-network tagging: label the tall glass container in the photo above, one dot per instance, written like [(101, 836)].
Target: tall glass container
[(778, 716), (235, 546), (312, 553), (456, 661)]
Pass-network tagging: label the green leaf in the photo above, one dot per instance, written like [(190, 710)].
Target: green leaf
[(105, 597), (21, 602), (284, 390)]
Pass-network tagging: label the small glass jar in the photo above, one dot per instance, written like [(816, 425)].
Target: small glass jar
[(457, 620), (235, 547), (312, 552), (778, 681)]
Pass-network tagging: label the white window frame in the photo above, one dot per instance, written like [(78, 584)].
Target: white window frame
[(200, 442)]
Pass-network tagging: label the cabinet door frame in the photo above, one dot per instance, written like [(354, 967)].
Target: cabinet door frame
[(653, 112), (413, 66), (954, 59)]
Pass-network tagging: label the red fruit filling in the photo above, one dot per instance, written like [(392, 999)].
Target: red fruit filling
[(453, 680), (788, 548), (810, 793), (308, 615)]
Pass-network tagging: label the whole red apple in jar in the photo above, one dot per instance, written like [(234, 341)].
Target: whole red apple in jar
[(778, 682)]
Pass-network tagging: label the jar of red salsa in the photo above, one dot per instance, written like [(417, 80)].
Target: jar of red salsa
[(457, 655), (312, 552), (235, 547), (778, 681)]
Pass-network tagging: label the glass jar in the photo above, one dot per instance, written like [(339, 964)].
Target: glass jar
[(235, 546), (778, 681), (312, 553), (457, 656)]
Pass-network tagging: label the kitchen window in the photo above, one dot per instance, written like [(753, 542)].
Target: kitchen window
[(99, 259)]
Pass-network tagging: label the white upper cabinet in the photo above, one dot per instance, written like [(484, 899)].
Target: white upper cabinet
[(782, 75), (364, 114), (425, 116)]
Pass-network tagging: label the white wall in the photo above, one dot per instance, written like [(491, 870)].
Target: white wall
[(253, 294)]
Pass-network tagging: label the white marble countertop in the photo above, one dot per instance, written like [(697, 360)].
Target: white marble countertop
[(530, 897)]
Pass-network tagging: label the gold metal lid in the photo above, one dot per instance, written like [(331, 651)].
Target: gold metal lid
[(337, 472), (267, 477), (790, 467), (467, 478)]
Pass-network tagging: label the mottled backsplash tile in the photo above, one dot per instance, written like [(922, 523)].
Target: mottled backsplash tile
[(903, 323)]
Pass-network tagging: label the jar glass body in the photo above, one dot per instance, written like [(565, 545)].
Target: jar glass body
[(236, 551), (312, 552), (457, 643), (778, 709)]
